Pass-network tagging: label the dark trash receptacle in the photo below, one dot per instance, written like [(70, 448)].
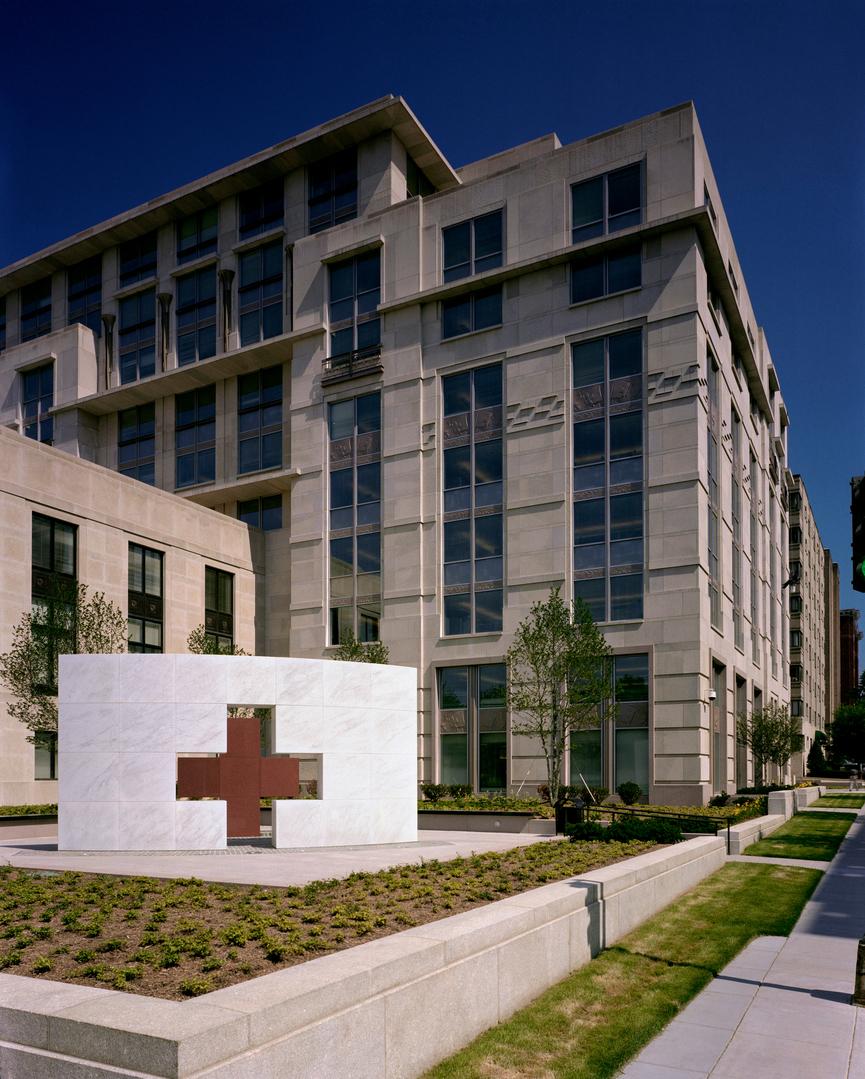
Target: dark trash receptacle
[(575, 813)]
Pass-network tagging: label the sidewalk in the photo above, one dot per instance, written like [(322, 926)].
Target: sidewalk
[(781, 1009)]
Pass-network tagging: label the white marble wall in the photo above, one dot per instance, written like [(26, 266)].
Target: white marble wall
[(123, 720)]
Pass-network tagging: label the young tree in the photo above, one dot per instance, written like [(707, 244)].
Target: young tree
[(772, 735), (848, 732), (787, 741), (67, 621), (559, 676), (202, 643), (816, 757), (352, 650)]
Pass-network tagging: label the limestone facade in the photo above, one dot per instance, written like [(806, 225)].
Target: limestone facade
[(811, 602), (526, 264)]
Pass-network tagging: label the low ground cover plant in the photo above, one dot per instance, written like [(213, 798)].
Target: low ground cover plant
[(44, 810), (589, 1025), (814, 836), (184, 937)]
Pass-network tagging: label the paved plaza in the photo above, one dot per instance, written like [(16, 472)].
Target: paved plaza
[(781, 1009), (257, 863)]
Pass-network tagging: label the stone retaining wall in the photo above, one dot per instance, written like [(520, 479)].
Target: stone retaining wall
[(388, 1009)]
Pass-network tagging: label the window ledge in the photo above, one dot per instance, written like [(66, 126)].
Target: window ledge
[(249, 485), (145, 283), (276, 233), (489, 633), (606, 296), (471, 333), (201, 263)]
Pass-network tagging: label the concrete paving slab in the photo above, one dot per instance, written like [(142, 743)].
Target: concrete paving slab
[(766, 1057), (643, 1070), (802, 863), (684, 1045), (788, 999), (254, 864), (716, 1010)]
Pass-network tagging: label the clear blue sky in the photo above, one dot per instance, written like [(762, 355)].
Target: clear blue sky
[(107, 105)]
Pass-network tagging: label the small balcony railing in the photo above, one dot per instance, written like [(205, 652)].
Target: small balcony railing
[(363, 361)]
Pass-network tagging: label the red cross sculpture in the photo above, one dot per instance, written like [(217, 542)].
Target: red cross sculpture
[(240, 777)]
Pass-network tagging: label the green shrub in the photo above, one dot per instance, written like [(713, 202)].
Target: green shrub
[(587, 830), (194, 987), (459, 790), (434, 792), (45, 810), (653, 830), (628, 830), (629, 792), (719, 800)]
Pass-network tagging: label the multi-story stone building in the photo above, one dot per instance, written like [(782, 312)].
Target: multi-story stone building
[(440, 392), (812, 604), (850, 636)]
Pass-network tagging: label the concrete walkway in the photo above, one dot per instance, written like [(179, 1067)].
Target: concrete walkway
[(254, 863), (781, 1009)]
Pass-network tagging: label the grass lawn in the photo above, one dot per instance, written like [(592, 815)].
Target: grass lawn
[(592, 1023), (807, 835), (183, 937), (841, 801)]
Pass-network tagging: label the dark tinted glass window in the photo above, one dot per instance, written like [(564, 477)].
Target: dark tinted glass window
[(36, 309), (137, 259), (197, 235), (261, 209), (333, 191), (84, 294)]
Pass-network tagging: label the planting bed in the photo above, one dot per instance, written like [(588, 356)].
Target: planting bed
[(185, 937)]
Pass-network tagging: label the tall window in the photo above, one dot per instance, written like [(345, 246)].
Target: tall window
[(354, 428), (138, 259), (617, 749), (475, 311), (754, 553), (145, 591), (195, 437), (196, 316), (714, 502), (53, 581), (136, 438), (355, 293), (36, 309), (261, 209), (37, 400), (472, 246), (84, 294), (219, 607), (473, 726), (333, 191), (197, 234), (473, 531), (603, 275), (608, 475), (736, 520), (260, 293), (259, 419), (138, 336), (264, 513), (606, 203)]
